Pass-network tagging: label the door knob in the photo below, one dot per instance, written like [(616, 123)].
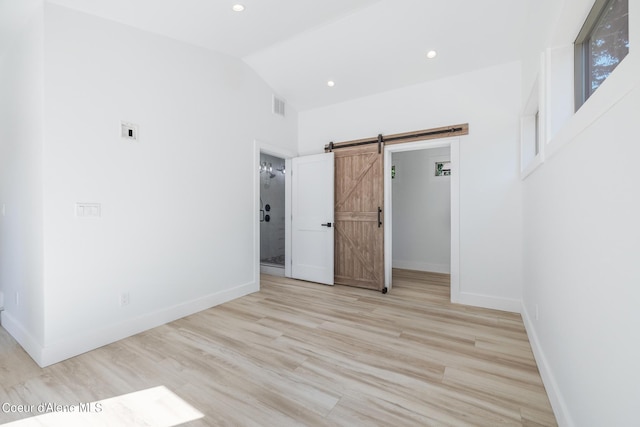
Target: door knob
[(326, 225)]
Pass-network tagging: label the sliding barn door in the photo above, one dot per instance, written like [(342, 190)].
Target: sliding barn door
[(359, 233)]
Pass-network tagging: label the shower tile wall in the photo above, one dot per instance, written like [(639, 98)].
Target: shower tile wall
[(272, 193)]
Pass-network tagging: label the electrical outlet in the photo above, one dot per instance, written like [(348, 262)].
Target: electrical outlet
[(124, 299), (129, 131), (17, 295)]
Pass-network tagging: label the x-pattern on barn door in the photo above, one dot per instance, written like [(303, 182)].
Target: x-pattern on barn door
[(359, 234)]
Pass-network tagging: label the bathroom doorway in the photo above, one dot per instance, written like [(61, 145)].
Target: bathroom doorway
[(272, 214)]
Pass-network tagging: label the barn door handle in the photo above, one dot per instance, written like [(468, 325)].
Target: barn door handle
[(326, 225), (379, 215)]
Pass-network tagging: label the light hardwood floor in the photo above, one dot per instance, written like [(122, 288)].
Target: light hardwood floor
[(298, 353)]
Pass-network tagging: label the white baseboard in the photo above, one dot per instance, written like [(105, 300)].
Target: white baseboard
[(487, 301), (422, 266), (558, 403), (22, 336), (81, 343)]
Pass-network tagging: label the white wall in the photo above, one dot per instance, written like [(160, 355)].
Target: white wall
[(21, 127), (177, 223), (582, 272), (421, 211), (581, 293), (490, 190)]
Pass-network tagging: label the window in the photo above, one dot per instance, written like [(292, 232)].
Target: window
[(531, 133), (602, 43), (536, 136)]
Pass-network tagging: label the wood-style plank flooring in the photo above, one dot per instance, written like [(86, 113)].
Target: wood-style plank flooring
[(299, 353)]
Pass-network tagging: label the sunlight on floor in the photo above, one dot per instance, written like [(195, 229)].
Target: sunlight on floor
[(156, 406)]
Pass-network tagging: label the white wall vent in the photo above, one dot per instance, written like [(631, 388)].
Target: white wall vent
[(278, 106)]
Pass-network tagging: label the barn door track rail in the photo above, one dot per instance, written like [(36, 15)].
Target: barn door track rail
[(399, 138)]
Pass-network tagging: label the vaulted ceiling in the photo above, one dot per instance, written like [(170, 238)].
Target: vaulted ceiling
[(364, 46)]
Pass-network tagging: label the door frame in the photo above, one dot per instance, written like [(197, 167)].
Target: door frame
[(286, 154), (454, 144)]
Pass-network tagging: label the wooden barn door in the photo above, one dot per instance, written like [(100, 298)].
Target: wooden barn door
[(359, 236)]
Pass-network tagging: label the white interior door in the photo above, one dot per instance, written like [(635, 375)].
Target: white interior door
[(312, 220)]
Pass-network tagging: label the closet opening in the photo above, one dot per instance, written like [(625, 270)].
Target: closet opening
[(422, 199), (421, 210)]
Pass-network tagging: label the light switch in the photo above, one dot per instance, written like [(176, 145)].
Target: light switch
[(88, 210)]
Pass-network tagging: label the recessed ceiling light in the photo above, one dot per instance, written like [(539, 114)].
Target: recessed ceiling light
[(238, 8), (432, 54), (331, 83)]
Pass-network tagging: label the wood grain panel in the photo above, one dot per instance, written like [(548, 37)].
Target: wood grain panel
[(359, 240), (357, 216)]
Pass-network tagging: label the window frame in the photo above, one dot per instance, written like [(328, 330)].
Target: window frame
[(532, 130), (581, 52)]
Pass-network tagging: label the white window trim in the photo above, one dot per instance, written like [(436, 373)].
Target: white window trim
[(620, 83), (528, 127), (562, 127)]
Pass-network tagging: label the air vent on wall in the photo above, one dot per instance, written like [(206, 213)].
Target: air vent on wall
[(278, 106)]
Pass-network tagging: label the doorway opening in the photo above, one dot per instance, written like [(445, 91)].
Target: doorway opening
[(261, 177), (427, 239), (272, 214), (421, 210)]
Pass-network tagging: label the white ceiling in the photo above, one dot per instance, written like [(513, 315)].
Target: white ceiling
[(365, 46)]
